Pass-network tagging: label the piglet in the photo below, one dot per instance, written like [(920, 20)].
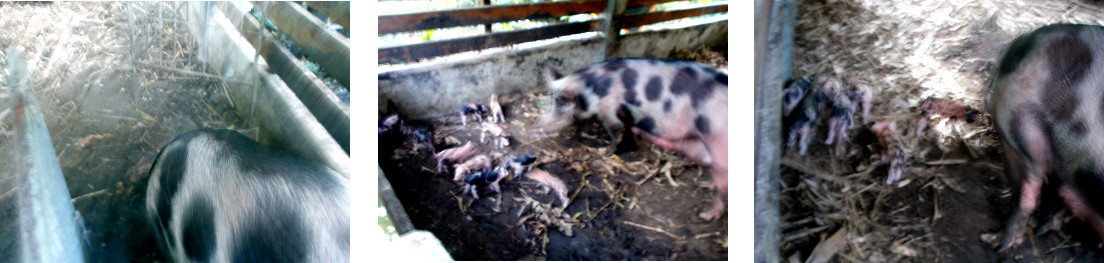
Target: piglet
[(803, 124), (520, 165), (793, 94), (472, 164), (496, 110), (939, 108), (484, 179), (387, 124), (498, 135), (1046, 102), (476, 110), (840, 120), (547, 180), (892, 151), (861, 95), (456, 154)]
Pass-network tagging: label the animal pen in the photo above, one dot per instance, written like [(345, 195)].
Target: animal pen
[(639, 205), (108, 83), (926, 62)]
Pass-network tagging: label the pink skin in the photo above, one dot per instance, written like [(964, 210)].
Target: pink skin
[(389, 123), (865, 95), (497, 132), (697, 151), (496, 110), (455, 154), (463, 169)]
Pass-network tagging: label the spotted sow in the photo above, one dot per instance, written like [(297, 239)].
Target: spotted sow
[(217, 196), (678, 105), (1046, 99)]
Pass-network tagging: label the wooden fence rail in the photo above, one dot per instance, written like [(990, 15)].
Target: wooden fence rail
[(390, 24)]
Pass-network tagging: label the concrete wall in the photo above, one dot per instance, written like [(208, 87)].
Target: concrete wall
[(437, 89)]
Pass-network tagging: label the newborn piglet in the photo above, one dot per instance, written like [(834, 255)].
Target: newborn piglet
[(793, 95), (520, 165), (550, 181), (861, 95), (892, 152), (840, 121), (455, 154), (803, 124), (499, 135), (472, 165), (496, 110), (939, 108), (483, 179), (478, 110)]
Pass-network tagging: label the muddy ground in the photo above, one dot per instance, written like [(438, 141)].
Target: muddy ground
[(622, 206), (954, 198)]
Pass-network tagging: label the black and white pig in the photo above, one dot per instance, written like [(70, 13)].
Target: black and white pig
[(1045, 98), (678, 105), (217, 196)]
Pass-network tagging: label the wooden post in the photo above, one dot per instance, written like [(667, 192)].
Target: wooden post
[(612, 30), (487, 27), (774, 21)]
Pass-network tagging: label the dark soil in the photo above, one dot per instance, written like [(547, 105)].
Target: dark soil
[(611, 218)]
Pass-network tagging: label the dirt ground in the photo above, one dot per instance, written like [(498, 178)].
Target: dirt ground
[(108, 115), (623, 207), (954, 198)]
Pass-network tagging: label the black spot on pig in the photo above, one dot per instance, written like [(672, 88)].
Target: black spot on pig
[(684, 81), (1078, 128), (647, 124), (721, 78), (1069, 59), (172, 171), (667, 106), (652, 89), (1016, 53), (614, 65), (702, 124), (582, 103), (199, 230), (274, 238), (599, 84), (699, 94), (629, 79)]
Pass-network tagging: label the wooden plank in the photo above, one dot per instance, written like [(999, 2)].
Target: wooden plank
[(651, 18), (639, 3), (612, 29), (310, 90), (414, 52), (389, 24), (338, 11), (327, 48), (268, 103)]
